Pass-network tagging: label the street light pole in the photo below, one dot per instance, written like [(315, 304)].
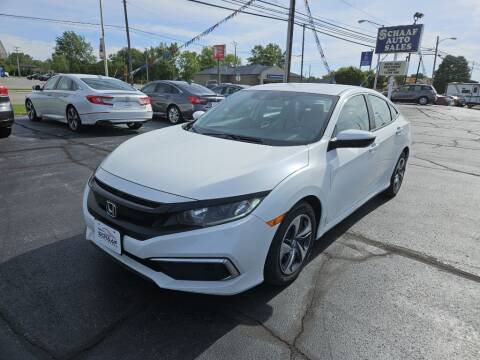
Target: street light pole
[(303, 50), (436, 53), (18, 61), (235, 61), (128, 43), (102, 40), (288, 57), (376, 25)]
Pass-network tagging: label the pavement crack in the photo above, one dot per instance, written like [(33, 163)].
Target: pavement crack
[(415, 255), (445, 167)]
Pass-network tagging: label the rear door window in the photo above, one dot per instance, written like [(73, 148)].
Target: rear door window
[(150, 88), (381, 111), (65, 84)]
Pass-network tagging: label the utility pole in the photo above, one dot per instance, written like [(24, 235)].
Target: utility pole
[(376, 72), (309, 72), (146, 62), (418, 68), (473, 67), (235, 63), (102, 41), (18, 61), (128, 43), (435, 58), (288, 57), (303, 49)]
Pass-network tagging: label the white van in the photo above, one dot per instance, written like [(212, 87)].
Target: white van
[(469, 92)]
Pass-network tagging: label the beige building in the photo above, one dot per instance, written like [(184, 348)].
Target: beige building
[(247, 75)]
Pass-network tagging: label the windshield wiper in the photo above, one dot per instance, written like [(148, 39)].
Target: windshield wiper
[(235, 137)]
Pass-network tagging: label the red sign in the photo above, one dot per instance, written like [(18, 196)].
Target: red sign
[(219, 52)]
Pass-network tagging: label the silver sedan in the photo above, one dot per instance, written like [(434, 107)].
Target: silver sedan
[(78, 100)]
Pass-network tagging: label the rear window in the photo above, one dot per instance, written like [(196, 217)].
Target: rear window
[(197, 89), (107, 84), (427, 87)]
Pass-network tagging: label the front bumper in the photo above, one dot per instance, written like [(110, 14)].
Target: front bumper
[(243, 244)]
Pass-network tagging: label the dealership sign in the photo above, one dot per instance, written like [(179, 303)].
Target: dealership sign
[(399, 39), (219, 52), (393, 68)]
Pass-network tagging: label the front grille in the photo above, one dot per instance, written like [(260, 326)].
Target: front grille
[(136, 217)]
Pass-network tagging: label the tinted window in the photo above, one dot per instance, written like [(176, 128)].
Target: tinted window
[(274, 117), (163, 88), (354, 115), (429, 88), (64, 84), (149, 88), (475, 89), (232, 89), (381, 111), (107, 84), (50, 84), (196, 89)]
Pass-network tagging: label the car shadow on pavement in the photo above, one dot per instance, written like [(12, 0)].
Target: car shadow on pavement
[(50, 129), (68, 299)]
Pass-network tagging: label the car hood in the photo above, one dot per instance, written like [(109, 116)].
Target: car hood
[(202, 167)]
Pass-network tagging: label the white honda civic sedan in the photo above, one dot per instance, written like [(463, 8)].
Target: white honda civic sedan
[(79, 99), (238, 196)]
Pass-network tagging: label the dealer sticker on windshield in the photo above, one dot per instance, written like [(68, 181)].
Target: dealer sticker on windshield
[(108, 237)]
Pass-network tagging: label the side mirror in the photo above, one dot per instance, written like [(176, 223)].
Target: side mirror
[(351, 139), (37, 88), (197, 114)]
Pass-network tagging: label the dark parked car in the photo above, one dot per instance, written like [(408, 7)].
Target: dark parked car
[(444, 100), (422, 94), (45, 77), (178, 100), (33, 76), (228, 89), (6, 113)]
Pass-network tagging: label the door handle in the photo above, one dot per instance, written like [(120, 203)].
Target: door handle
[(399, 131), (373, 147)]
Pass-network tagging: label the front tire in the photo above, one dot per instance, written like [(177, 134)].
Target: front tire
[(31, 112), (73, 119), (134, 126), (174, 115), (397, 177), (423, 100), (291, 245), (5, 132)]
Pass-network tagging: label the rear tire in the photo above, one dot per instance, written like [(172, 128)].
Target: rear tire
[(423, 100), (31, 112), (5, 132), (291, 245), (397, 177), (134, 126), (73, 119), (174, 115)]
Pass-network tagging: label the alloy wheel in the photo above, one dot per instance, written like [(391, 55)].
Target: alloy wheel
[(173, 115), (30, 110), (73, 119), (423, 101), (399, 174), (295, 244)]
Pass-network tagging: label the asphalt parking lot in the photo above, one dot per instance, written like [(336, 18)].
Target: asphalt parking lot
[(398, 279)]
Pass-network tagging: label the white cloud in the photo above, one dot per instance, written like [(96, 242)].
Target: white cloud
[(37, 49)]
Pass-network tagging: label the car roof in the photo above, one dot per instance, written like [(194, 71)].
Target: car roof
[(79, 76), (314, 88)]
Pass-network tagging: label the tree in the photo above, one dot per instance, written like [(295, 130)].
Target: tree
[(231, 61), (188, 65), (270, 55), (59, 63), (452, 69), (349, 76), (76, 50), (205, 58)]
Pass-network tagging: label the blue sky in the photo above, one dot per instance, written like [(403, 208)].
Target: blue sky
[(181, 19)]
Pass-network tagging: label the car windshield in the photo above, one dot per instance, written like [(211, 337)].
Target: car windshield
[(269, 117), (107, 84), (197, 89)]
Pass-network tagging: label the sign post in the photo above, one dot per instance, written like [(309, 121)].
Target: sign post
[(398, 39), (219, 54)]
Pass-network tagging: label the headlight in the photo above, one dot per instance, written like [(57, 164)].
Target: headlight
[(219, 214)]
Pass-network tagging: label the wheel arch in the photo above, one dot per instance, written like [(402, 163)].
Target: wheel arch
[(316, 204)]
